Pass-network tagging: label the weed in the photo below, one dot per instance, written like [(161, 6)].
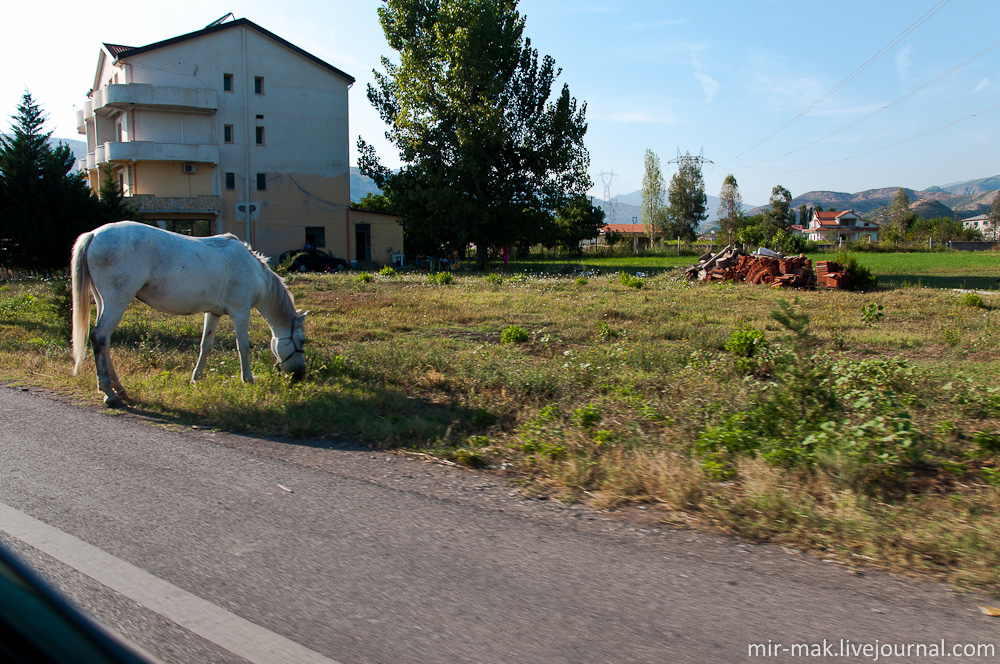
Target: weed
[(388, 272), (972, 300), (494, 279), (746, 342), (440, 278), (363, 278), (581, 281), (513, 334), (630, 280), (588, 416), (871, 314), (606, 333)]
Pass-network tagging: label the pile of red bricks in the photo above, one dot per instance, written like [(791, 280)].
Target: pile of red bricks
[(832, 275), (736, 265)]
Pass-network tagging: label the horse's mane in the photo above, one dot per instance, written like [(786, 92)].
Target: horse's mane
[(277, 296)]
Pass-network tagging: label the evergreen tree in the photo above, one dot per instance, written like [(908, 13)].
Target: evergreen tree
[(488, 156), (44, 205), (730, 211), (686, 198), (653, 208), (114, 205)]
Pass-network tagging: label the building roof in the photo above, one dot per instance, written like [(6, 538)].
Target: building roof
[(626, 229), (831, 217), (118, 51)]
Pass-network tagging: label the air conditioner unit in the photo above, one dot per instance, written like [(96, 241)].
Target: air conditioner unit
[(190, 168)]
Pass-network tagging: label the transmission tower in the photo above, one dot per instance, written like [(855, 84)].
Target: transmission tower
[(607, 178), (700, 159)]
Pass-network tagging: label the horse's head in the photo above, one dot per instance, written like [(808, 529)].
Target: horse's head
[(290, 351)]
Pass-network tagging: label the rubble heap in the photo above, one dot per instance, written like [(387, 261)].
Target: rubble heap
[(764, 267)]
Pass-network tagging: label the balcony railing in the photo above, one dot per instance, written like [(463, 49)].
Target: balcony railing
[(150, 151), (150, 204), (144, 95)]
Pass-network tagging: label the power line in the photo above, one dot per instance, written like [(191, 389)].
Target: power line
[(883, 108), (865, 65), (884, 147)]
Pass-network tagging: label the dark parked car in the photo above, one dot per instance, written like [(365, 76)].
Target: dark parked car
[(312, 260)]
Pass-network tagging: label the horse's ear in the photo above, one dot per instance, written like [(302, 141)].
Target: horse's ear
[(302, 316)]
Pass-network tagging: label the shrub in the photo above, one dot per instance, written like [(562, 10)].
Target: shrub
[(513, 334), (861, 277), (972, 300), (631, 280), (441, 278), (746, 342), (388, 272)]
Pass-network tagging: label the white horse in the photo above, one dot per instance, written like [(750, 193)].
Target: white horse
[(178, 274)]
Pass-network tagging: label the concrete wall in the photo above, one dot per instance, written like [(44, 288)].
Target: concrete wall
[(302, 108)]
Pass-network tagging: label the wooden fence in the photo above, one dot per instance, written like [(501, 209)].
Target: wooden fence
[(17, 274)]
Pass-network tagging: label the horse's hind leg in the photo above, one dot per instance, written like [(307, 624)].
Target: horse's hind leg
[(207, 338), (116, 383), (100, 338)]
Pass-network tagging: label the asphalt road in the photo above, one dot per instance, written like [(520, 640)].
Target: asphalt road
[(206, 547)]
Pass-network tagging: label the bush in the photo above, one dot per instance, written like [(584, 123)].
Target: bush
[(631, 280), (441, 278), (513, 334), (972, 300), (861, 277), (746, 342)]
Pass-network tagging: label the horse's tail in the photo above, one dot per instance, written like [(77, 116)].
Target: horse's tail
[(81, 298)]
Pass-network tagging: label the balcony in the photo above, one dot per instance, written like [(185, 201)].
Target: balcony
[(149, 151), (151, 204), (143, 95)]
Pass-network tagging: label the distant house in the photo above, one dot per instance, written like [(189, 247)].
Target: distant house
[(981, 222), (635, 233), (231, 129), (840, 226)]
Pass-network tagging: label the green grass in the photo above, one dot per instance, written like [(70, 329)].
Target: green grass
[(863, 435)]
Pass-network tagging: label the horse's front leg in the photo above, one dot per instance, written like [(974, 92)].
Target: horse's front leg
[(241, 323), (207, 339)]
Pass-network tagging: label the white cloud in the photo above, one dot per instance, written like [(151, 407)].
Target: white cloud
[(644, 116), (708, 84), (903, 62), (982, 85)]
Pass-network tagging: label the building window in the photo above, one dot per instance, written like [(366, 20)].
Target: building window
[(261, 181), (260, 136), (315, 237), (227, 133), (230, 181), (192, 227), (258, 85), (227, 82)]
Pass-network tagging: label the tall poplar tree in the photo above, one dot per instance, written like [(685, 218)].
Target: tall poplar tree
[(687, 201), (730, 210), (653, 208), (993, 220), (899, 219), (489, 153)]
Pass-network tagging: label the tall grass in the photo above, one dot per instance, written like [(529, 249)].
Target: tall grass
[(871, 437)]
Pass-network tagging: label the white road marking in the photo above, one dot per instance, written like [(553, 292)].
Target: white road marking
[(224, 628)]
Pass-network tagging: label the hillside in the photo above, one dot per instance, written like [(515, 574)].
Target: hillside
[(962, 200)]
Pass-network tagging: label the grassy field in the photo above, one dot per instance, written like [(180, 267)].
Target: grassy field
[(862, 425)]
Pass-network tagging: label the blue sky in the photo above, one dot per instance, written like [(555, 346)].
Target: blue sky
[(738, 80)]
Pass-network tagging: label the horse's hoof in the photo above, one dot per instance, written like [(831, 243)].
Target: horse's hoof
[(114, 403)]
